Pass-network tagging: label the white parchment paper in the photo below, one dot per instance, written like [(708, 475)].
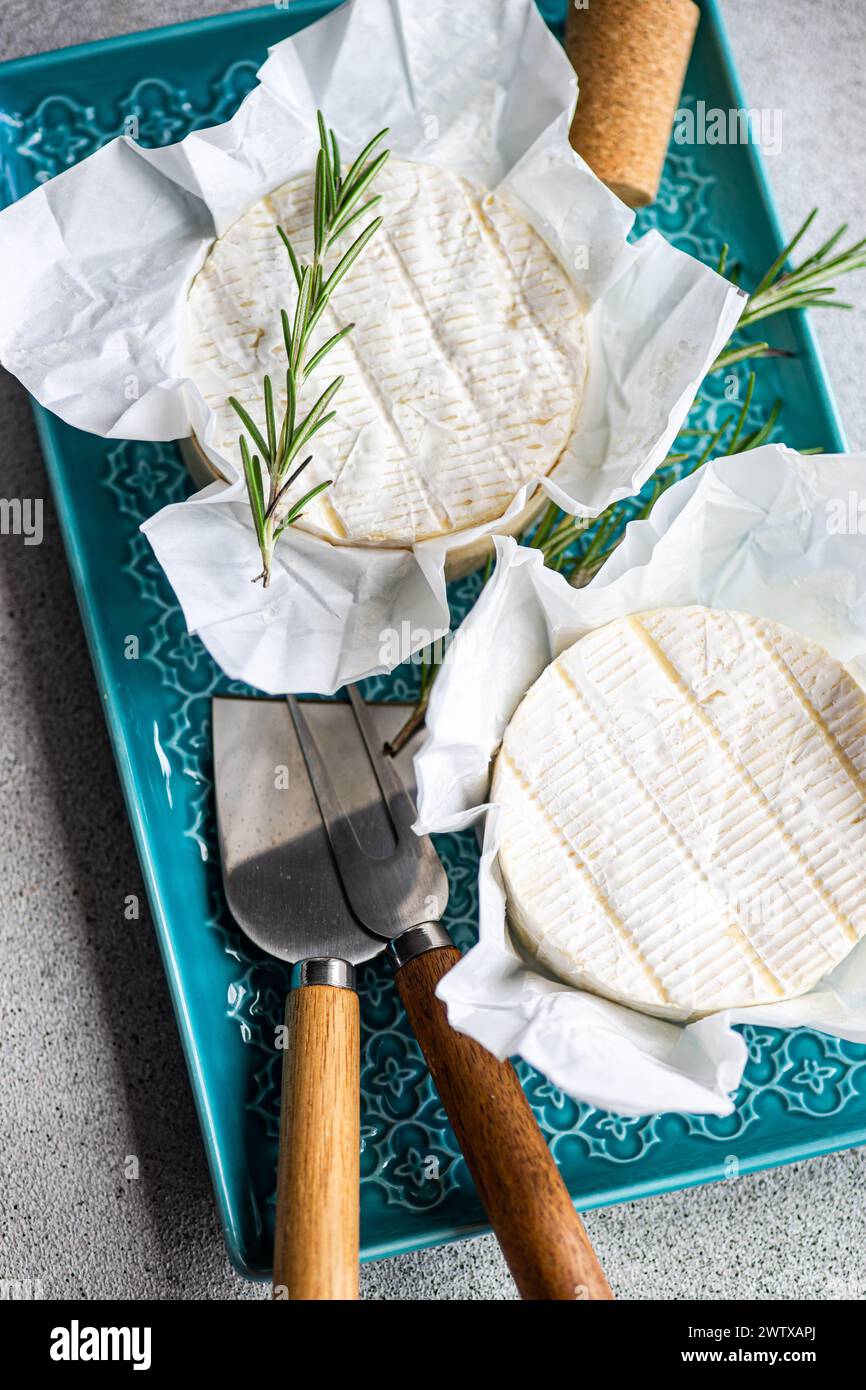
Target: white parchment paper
[(771, 533), (95, 267)]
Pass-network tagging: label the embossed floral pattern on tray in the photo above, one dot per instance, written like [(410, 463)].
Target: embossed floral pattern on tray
[(409, 1156)]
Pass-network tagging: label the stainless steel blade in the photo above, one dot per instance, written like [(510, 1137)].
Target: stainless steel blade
[(280, 880), (392, 877)]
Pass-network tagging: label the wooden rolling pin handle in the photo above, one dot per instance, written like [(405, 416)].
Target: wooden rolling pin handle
[(526, 1201), (318, 1175)]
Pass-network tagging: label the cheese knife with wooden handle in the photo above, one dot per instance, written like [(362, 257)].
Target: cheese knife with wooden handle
[(398, 889), (283, 891)]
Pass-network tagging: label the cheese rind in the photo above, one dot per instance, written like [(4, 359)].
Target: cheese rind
[(684, 822), (463, 373)]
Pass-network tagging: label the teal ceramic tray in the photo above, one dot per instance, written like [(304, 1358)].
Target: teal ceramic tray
[(802, 1094)]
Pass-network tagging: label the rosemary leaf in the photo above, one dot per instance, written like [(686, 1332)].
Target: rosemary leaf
[(249, 424), (741, 419), (287, 333), (596, 545), (313, 320), (253, 476), (300, 323), (315, 284), (427, 670), (286, 485), (327, 170), (824, 250), (741, 354), (321, 404), (298, 471), (761, 435), (292, 257), (352, 192), (825, 304), (349, 258), (291, 410), (564, 539), (270, 421), (784, 254), (795, 301), (352, 218), (358, 163), (306, 430), (326, 348), (545, 526), (335, 165), (319, 206), (286, 429), (320, 424), (305, 500), (714, 439)]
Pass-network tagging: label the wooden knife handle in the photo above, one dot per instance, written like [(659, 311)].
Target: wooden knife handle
[(318, 1175), (527, 1204)]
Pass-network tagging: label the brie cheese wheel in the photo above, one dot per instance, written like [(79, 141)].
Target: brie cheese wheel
[(684, 813), (463, 373)]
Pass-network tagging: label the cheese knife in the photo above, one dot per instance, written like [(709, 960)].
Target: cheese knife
[(283, 891), (398, 889)]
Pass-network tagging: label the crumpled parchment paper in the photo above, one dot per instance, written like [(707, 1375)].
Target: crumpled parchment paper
[(768, 533), (96, 264)]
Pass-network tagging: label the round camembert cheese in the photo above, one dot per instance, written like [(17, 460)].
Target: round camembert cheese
[(463, 374), (684, 823)]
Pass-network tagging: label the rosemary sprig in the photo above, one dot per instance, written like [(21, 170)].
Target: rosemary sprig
[(809, 285), (270, 452), (806, 286), (419, 712)]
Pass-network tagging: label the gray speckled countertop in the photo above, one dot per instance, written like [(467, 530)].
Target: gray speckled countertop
[(92, 1068)]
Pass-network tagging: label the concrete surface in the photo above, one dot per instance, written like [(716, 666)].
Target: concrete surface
[(92, 1068)]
